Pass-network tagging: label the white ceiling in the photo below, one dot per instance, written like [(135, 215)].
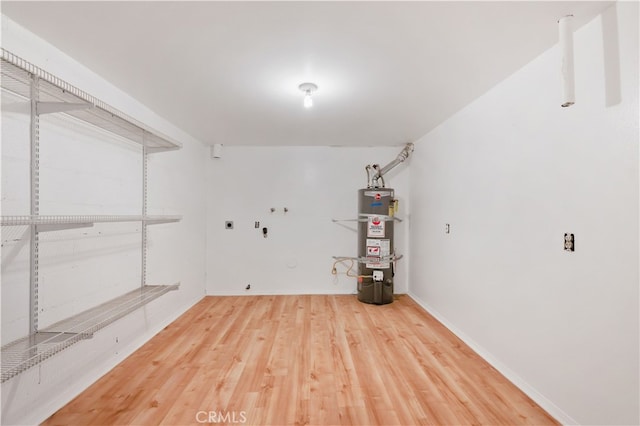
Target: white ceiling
[(228, 72)]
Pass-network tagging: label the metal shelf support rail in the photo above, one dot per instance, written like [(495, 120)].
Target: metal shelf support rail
[(143, 268), (34, 195), (49, 94)]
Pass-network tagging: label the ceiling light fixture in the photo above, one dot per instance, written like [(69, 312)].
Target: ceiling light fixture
[(308, 89)]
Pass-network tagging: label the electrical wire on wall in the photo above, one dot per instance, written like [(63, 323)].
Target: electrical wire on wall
[(349, 272)]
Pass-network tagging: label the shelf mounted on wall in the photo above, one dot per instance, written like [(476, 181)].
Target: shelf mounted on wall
[(22, 354), (48, 94), (56, 95), (62, 222)]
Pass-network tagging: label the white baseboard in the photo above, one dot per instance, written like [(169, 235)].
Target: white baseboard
[(267, 293), (525, 387)]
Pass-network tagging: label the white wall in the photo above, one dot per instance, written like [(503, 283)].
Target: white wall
[(85, 171), (512, 172), (316, 184)]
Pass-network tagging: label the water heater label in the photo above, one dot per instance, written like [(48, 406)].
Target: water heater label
[(373, 251), (377, 249), (375, 227), (378, 194)]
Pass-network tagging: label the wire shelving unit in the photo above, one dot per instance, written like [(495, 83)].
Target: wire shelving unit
[(48, 94)]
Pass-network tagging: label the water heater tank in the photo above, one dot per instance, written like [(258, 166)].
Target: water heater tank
[(376, 208)]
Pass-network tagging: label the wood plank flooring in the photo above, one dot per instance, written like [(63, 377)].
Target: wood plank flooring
[(296, 360)]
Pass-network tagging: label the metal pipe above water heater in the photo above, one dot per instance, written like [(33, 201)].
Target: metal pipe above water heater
[(373, 181)]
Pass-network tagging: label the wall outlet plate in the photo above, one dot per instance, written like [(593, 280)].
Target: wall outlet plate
[(569, 242)]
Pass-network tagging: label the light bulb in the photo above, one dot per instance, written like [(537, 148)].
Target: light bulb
[(308, 102), (308, 89)]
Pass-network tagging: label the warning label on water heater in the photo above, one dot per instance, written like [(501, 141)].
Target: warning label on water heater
[(376, 251), (373, 251), (378, 194), (375, 227)]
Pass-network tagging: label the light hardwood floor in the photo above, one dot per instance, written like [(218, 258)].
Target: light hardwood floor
[(285, 360)]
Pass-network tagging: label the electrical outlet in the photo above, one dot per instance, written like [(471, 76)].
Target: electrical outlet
[(569, 242)]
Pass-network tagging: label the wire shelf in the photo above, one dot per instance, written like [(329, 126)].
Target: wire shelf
[(22, 354), (84, 219), (16, 75)]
